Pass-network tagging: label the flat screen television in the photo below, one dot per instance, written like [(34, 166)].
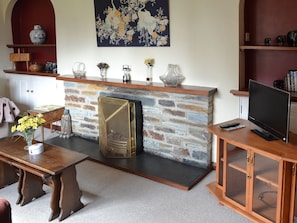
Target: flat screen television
[(269, 109)]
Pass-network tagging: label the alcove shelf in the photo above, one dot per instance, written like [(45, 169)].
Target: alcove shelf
[(30, 73), (30, 45), (259, 47)]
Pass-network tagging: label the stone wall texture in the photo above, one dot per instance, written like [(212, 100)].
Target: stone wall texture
[(174, 125)]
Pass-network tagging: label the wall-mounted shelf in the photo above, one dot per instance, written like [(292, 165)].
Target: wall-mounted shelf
[(258, 47), (30, 45)]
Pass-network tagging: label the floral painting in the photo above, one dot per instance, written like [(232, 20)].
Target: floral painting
[(132, 22)]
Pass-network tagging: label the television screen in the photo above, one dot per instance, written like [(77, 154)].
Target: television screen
[(269, 109)]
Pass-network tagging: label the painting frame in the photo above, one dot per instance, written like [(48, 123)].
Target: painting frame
[(135, 23)]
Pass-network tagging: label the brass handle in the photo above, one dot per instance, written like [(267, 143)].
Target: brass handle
[(252, 160), (248, 159)]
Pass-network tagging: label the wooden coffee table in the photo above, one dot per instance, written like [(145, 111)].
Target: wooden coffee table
[(54, 167)]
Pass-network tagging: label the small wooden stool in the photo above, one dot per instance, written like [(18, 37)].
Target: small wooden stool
[(51, 113)]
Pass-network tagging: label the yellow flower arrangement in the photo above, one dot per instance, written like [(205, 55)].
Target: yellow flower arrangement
[(149, 62), (27, 125)]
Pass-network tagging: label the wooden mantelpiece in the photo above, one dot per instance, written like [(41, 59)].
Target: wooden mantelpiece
[(142, 85)]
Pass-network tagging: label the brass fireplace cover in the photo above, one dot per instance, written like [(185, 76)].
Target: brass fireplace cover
[(117, 127)]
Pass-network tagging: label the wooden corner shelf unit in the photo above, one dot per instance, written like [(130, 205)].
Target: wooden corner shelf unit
[(255, 177)]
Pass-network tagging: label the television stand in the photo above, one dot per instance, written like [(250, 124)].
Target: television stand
[(255, 177), (264, 134)]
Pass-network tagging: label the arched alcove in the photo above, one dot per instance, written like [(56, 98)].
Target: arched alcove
[(7, 6), (25, 14)]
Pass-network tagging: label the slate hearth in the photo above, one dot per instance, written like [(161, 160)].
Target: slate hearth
[(155, 168)]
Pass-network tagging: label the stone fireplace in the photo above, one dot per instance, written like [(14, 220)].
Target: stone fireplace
[(175, 120), (120, 127)]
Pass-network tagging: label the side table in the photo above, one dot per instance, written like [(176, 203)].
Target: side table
[(51, 114)]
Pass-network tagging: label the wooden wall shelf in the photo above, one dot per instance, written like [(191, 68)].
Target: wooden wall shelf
[(30, 45), (278, 48), (31, 73), (142, 85)]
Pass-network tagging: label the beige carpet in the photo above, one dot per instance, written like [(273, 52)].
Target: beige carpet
[(114, 196)]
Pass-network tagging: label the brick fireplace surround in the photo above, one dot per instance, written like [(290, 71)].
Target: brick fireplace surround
[(175, 120)]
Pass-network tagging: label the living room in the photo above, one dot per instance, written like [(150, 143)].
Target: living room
[(77, 42), (84, 36), (203, 42)]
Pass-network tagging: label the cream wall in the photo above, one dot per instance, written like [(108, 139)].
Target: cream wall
[(5, 38), (204, 42)]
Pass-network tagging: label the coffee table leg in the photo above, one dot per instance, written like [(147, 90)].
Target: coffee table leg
[(31, 187), (20, 186), (55, 184), (70, 193)]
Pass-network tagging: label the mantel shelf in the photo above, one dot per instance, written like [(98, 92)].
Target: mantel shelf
[(30, 45), (142, 85), (30, 73)]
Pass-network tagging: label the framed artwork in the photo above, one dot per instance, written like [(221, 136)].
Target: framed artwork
[(132, 23)]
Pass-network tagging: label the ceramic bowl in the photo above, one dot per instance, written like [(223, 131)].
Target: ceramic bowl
[(35, 67), (36, 149)]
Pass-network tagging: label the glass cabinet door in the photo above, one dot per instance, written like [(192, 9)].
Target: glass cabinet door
[(236, 174), (265, 187)]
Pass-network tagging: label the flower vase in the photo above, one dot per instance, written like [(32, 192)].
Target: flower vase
[(29, 139), (103, 72), (149, 74)]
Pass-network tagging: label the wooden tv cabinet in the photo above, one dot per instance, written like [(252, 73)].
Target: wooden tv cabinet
[(255, 177)]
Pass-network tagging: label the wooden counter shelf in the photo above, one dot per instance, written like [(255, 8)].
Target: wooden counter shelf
[(142, 85), (246, 94), (30, 73)]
